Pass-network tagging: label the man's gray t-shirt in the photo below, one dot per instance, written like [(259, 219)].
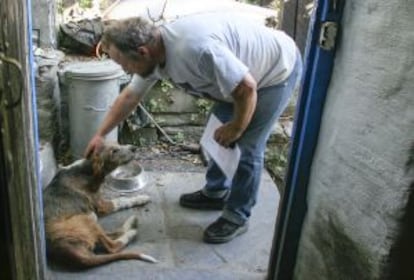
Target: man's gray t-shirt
[(209, 54)]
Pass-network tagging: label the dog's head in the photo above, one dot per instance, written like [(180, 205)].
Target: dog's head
[(110, 156)]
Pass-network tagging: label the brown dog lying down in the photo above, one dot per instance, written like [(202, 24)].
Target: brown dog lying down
[(71, 204)]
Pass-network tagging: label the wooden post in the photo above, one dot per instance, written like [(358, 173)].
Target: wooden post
[(295, 20), (18, 138)]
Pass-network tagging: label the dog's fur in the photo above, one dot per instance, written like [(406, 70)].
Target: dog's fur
[(72, 202)]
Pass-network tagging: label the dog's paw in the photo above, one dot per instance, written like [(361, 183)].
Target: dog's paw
[(132, 234), (131, 223), (141, 199), (128, 236), (129, 202)]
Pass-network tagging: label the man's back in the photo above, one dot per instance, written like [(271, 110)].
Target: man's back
[(206, 42)]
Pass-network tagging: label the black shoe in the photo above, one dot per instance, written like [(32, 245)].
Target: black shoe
[(197, 200), (222, 231)]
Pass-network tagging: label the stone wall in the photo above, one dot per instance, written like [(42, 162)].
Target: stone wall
[(48, 103), (360, 179), (180, 116)]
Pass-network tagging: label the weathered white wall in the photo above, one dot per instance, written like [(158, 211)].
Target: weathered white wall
[(359, 185)]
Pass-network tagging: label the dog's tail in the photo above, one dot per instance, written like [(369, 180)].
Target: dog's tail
[(95, 260), (83, 258)]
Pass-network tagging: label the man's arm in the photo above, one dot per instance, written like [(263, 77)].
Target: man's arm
[(245, 99), (121, 108)]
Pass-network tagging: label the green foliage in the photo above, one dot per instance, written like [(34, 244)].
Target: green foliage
[(166, 86), (276, 160), (156, 105), (59, 6), (85, 4), (179, 137), (204, 106), (141, 142), (161, 103)]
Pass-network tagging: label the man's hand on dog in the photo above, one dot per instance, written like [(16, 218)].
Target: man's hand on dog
[(96, 143)]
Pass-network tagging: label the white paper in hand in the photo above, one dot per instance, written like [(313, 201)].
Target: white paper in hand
[(226, 158)]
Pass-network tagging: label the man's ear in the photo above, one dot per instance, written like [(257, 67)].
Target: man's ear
[(143, 51)]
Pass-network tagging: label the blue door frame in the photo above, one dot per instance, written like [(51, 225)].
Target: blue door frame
[(318, 69)]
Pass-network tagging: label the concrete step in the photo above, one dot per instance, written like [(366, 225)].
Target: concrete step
[(173, 235)]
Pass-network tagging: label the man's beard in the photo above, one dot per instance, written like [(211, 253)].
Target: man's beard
[(149, 70)]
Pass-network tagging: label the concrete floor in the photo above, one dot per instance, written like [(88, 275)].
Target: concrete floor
[(173, 235)]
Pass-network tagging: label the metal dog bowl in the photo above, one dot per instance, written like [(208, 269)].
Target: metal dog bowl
[(127, 178)]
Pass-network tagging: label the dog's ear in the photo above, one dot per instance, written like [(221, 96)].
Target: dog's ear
[(97, 165)]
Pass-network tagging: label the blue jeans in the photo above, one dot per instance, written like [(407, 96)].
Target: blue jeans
[(271, 103)]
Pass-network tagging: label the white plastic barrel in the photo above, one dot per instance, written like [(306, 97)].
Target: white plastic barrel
[(92, 88)]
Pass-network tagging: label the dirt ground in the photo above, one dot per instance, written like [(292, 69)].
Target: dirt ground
[(167, 157), (182, 158)]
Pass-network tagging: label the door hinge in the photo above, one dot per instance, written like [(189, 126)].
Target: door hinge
[(327, 38)]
